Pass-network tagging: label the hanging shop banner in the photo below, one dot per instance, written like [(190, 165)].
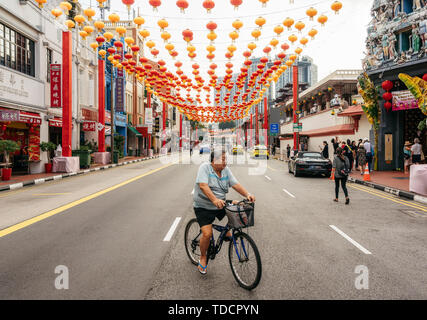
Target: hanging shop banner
[(34, 144), (403, 100), (89, 126), (55, 86), (107, 117), (149, 116), (120, 95), (89, 115), (9, 115)]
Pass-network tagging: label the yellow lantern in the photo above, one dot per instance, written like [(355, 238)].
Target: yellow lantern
[(70, 24), (288, 23), (336, 6), (79, 19), (210, 48), (66, 6), (41, 3), (101, 3), (311, 12), (89, 13), (110, 58), (260, 21), (56, 12), (108, 36), (191, 49), (231, 48), (150, 44), (129, 41), (264, 3), (292, 38), (298, 50), (121, 30), (139, 21), (274, 42), (89, 29), (256, 34), (278, 29), (322, 19), (94, 45), (233, 35), (212, 36), (299, 26), (293, 57), (114, 18), (83, 34), (166, 36), (169, 46), (102, 53), (312, 33), (144, 33), (237, 24), (99, 25), (162, 23), (252, 46), (303, 41), (289, 63)]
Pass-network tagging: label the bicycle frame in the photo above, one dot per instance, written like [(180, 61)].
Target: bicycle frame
[(223, 231)]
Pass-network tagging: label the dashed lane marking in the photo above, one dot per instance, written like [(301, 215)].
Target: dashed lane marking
[(172, 229), (357, 245)]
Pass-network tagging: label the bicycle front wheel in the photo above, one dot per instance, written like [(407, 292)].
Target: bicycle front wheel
[(192, 241), (245, 261)]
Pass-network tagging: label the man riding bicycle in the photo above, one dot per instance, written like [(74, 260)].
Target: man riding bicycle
[(212, 184)]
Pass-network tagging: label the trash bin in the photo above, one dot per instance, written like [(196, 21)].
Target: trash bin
[(115, 156), (84, 156)]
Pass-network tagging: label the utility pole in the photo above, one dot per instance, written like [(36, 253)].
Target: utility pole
[(295, 102), (112, 114)]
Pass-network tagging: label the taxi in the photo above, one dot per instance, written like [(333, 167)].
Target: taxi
[(260, 151), (237, 150)]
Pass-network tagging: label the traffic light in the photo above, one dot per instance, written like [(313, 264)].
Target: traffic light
[(157, 125)]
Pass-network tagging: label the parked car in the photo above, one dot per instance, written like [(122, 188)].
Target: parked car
[(311, 163), (204, 148), (260, 151), (238, 150)]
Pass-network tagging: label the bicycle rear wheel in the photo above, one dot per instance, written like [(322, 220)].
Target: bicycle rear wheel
[(192, 241), (245, 261)]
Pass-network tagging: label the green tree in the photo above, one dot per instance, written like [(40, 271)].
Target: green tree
[(227, 125), (8, 147)]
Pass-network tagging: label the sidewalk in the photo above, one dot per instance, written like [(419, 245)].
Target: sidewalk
[(393, 182), (20, 181)]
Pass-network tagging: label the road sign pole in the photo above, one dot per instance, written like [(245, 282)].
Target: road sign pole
[(295, 97)]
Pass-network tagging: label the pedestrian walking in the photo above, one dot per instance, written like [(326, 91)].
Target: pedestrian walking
[(288, 151), (369, 154), (191, 149), (335, 144), (416, 150), (341, 167), (325, 150), (361, 158), (406, 157)]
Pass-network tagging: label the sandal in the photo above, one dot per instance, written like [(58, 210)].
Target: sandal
[(335, 200), (204, 268), (228, 238)]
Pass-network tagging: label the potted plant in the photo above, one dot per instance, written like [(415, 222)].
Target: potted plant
[(7, 147), (48, 147)]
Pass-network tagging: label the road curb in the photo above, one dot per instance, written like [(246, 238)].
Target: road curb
[(396, 192), (19, 185)]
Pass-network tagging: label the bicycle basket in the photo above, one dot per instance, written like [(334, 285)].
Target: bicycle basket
[(240, 216)]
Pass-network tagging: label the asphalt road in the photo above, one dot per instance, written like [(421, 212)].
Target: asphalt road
[(109, 229)]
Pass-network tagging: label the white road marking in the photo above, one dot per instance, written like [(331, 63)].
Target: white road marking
[(289, 193), (172, 229), (365, 251), (268, 178)]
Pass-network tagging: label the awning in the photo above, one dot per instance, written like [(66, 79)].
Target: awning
[(351, 111), (331, 131), (136, 132)]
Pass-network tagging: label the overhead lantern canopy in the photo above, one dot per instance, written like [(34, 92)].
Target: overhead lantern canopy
[(155, 4), (139, 21), (260, 21), (162, 23), (56, 12), (312, 33), (236, 3), (208, 5), (114, 18), (322, 19), (288, 23), (182, 5), (89, 13), (237, 24), (299, 26), (99, 25), (311, 12), (101, 3), (336, 6), (41, 3)]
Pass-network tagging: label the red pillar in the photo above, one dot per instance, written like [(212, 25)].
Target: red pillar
[(66, 93), (256, 127), (250, 132), (295, 96), (164, 124), (180, 130), (266, 121), (101, 104), (149, 136)]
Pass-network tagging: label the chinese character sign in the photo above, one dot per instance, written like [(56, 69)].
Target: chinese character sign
[(55, 86), (89, 126)]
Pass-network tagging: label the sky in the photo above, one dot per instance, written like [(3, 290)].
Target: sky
[(338, 45)]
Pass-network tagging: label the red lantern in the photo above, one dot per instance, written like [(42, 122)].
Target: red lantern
[(387, 105), (387, 85), (236, 3), (425, 77), (387, 96), (208, 5), (285, 46), (128, 3), (211, 26), (182, 5), (155, 4)]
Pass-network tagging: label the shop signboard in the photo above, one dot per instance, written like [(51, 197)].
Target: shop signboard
[(149, 116), (9, 115), (89, 126), (30, 119), (89, 115), (120, 120), (120, 92), (55, 86), (107, 117)]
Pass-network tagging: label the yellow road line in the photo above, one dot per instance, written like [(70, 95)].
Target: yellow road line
[(271, 168), (50, 213), (393, 199), (391, 196), (50, 194)]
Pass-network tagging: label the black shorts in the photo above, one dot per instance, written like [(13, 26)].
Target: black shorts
[(206, 217), (416, 158)]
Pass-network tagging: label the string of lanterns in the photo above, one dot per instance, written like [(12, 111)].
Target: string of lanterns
[(169, 86)]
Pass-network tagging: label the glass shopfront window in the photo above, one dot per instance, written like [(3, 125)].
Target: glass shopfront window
[(16, 51)]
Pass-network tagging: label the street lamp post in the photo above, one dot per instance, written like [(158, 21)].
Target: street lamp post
[(295, 101)]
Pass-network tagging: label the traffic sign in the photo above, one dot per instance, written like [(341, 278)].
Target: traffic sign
[(274, 128)]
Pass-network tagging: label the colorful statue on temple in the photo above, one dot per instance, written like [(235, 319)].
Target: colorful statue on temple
[(418, 4), (392, 46), (385, 46), (396, 8), (415, 40)]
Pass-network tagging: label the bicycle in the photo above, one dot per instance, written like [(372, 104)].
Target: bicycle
[(239, 251)]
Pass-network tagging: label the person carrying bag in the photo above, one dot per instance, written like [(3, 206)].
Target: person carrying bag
[(341, 166)]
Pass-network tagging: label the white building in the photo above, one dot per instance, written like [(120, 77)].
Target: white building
[(30, 40)]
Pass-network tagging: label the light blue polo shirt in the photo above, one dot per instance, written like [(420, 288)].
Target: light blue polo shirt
[(219, 186)]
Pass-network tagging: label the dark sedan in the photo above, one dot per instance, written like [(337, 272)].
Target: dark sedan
[(310, 163)]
